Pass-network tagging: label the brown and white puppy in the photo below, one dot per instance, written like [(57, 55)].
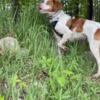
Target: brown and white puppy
[(68, 29)]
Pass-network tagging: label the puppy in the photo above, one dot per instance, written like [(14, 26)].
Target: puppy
[(67, 28), (9, 44)]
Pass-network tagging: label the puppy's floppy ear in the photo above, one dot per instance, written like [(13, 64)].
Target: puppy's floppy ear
[(57, 5)]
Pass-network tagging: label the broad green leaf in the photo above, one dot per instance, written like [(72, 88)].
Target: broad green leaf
[(1, 97), (61, 81)]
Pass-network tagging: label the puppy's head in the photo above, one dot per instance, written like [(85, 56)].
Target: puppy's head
[(50, 6)]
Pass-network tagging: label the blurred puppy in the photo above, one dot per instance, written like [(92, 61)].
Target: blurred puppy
[(67, 28)]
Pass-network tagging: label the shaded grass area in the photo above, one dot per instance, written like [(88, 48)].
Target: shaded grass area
[(40, 75)]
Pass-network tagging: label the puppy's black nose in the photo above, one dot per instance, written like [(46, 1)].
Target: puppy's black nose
[(39, 7)]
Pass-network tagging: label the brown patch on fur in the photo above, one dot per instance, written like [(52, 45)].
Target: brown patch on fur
[(76, 24), (97, 34), (55, 5)]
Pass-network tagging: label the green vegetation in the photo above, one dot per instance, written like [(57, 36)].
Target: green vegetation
[(41, 75)]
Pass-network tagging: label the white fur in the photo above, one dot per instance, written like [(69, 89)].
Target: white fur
[(44, 7), (89, 30)]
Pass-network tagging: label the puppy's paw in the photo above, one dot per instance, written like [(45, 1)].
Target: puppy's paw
[(65, 49), (95, 76)]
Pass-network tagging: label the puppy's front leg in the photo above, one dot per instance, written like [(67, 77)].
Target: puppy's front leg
[(62, 42), (58, 38), (67, 34)]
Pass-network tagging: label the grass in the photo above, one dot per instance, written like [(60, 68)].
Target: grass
[(38, 74)]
